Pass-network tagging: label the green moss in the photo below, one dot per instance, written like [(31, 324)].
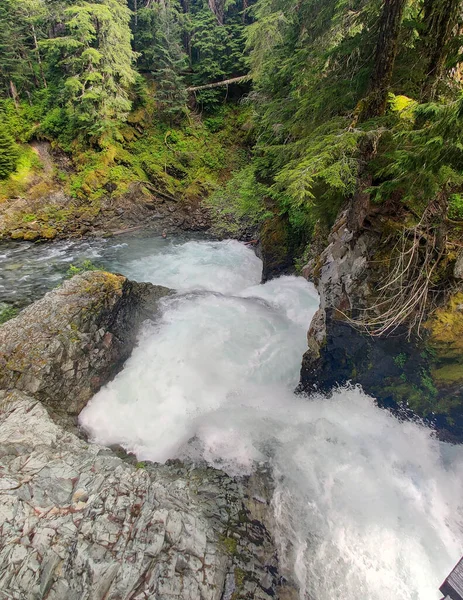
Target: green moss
[(48, 233), (31, 235), (17, 182), (243, 199), (446, 329), (240, 576), (188, 161), (229, 544), (86, 265), (29, 217), (428, 383), (451, 373), (7, 313), (400, 360)]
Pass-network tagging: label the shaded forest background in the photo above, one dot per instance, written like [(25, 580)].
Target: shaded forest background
[(332, 103)]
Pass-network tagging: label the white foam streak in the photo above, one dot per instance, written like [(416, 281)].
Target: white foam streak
[(366, 506)]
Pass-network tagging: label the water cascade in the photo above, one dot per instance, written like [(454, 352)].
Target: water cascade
[(366, 506)]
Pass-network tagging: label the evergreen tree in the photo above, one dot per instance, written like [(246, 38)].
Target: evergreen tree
[(97, 57), (440, 20), (390, 22), (170, 61), (8, 153), (217, 46), (18, 73), (159, 41)]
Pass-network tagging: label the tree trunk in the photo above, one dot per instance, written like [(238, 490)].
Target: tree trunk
[(37, 51), (14, 94), (375, 103), (218, 8), (440, 20), (209, 86)]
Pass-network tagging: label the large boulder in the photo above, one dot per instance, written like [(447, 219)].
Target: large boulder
[(78, 522), (62, 348)]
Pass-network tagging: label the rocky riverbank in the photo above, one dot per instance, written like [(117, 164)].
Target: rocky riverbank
[(82, 521), (421, 373)]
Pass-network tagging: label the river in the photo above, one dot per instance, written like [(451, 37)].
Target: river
[(365, 506)]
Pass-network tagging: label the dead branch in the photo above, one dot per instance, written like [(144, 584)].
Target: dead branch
[(404, 299)]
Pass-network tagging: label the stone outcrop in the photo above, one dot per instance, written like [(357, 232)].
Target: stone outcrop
[(65, 346), (77, 522), (402, 371), (458, 270), (82, 522)]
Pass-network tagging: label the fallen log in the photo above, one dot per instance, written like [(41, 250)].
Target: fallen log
[(209, 86)]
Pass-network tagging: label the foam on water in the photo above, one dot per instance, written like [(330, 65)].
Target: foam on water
[(366, 506), (225, 267)]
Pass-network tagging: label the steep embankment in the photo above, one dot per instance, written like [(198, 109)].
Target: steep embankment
[(155, 177), (406, 367)]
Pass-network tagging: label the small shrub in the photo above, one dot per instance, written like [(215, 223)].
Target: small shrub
[(87, 265), (29, 218), (7, 313), (400, 360), (456, 207), (9, 153)]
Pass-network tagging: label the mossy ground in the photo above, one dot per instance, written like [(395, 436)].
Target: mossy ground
[(187, 162)]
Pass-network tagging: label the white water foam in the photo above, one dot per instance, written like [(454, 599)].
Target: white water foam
[(366, 506)]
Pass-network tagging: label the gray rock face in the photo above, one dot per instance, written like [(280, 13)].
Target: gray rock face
[(341, 282), (419, 373), (458, 270), (77, 522), (64, 347)]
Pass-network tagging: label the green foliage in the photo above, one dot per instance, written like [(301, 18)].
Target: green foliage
[(456, 207), (217, 50), (86, 265), (7, 313), (400, 360), (242, 199), (322, 171), (428, 383), (423, 157), (67, 74), (229, 544), (159, 39), (9, 153), (96, 57)]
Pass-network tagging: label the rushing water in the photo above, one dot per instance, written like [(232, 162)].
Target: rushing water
[(28, 270), (366, 506)]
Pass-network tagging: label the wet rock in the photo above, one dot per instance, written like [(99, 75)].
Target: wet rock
[(458, 269), (65, 346), (77, 522), (405, 372)]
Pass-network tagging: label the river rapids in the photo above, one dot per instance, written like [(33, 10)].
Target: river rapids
[(366, 506)]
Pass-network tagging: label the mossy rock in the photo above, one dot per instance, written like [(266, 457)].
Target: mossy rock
[(48, 233), (445, 329), (31, 235), (17, 234)]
